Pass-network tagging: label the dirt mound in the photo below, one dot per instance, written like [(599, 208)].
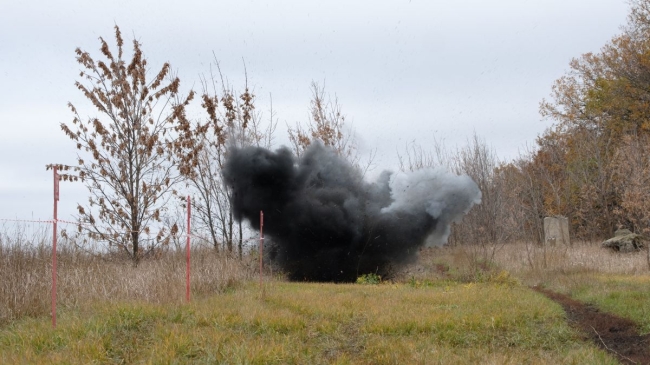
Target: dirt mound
[(618, 336)]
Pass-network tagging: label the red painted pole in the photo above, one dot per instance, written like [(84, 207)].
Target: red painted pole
[(187, 249), (54, 231), (261, 247)]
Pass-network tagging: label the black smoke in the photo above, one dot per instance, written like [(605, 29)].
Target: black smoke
[(327, 224)]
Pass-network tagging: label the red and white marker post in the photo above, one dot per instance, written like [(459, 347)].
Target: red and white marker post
[(187, 249), (261, 249), (54, 231)]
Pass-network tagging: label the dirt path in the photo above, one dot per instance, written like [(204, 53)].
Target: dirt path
[(616, 335)]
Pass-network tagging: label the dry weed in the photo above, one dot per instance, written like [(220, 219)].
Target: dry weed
[(26, 271)]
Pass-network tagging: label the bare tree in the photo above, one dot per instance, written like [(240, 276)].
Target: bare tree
[(415, 157), (481, 231), (326, 124), (130, 157), (234, 122), (480, 162), (521, 194)]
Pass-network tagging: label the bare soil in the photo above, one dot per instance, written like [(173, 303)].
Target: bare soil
[(618, 336)]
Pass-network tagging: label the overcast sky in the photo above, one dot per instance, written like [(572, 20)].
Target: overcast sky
[(402, 70)]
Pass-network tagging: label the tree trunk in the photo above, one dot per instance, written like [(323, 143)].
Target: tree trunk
[(135, 236), (213, 232), (241, 242), (230, 233), (136, 247)]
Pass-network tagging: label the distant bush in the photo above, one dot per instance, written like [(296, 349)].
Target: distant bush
[(369, 279)]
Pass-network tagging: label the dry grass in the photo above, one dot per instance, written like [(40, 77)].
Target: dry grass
[(532, 264), (533, 260), (83, 278)]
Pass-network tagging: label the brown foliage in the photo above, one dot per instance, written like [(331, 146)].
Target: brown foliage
[(632, 171), (602, 112), (137, 149), (326, 124), (233, 122)]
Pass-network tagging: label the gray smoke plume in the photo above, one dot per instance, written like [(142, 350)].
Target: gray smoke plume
[(327, 224)]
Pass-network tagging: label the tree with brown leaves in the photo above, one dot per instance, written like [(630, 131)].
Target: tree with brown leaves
[(601, 112), (326, 124), (233, 122), (133, 154)]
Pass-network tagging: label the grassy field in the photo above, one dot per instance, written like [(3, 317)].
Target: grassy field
[(441, 322), (613, 282), (454, 306)]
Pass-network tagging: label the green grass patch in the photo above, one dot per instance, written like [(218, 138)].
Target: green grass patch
[(294, 323), (624, 295)]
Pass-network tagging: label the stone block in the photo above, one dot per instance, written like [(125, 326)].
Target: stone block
[(556, 230)]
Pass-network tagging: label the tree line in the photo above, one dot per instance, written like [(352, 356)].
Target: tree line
[(141, 155), (591, 166)]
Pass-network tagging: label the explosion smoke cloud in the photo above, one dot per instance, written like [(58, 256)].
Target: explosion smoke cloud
[(327, 224)]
